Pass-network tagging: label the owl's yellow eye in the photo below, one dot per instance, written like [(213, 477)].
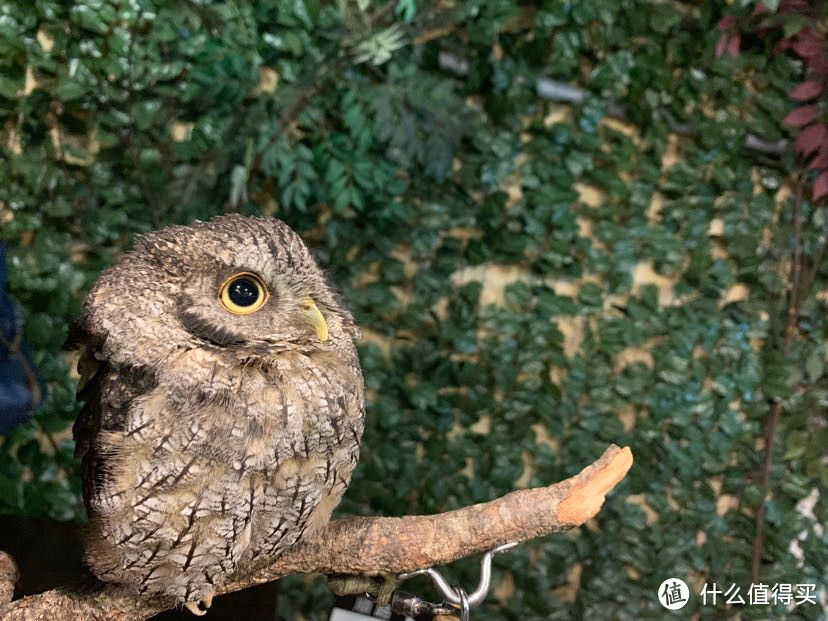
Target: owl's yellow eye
[(242, 293)]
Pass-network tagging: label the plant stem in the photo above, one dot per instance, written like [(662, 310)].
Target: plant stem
[(798, 293)]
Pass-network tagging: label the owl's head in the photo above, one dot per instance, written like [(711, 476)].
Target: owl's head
[(244, 284)]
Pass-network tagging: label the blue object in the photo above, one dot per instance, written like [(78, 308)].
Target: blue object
[(21, 387)]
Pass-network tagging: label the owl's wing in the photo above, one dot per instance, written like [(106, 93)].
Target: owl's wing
[(105, 403), (87, 424)]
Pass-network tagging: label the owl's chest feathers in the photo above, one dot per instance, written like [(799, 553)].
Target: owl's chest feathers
[(255, 416), (258, 461)]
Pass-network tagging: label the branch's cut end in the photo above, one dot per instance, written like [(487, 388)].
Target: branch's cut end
[(591, 485), (8, 578)]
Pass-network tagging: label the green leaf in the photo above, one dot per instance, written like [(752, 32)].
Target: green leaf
[(815, 365)]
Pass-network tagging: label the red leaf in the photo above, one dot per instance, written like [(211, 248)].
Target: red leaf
[(792, 5), (733, 44), (803, 115), (818, 64), (811, 138), (721, 44), (820, 161), (808, 45), (726, 23), (820, 186), (759, 9), (805, 91)]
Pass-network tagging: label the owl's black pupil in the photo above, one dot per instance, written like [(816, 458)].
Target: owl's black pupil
[(243, 292)]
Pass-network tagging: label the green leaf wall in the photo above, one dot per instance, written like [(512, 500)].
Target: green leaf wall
[(535, 279)]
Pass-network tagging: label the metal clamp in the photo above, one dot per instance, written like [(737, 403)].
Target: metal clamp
[(455, 597)]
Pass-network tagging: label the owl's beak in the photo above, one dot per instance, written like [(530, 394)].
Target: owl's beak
[(315, 319)]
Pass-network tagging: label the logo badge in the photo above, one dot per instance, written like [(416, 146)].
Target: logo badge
[(673, 594)]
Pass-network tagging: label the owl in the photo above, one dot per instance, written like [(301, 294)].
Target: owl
[(223, 405)]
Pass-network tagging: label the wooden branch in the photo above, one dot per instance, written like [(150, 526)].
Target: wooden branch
[(371, 546), (8, 578)]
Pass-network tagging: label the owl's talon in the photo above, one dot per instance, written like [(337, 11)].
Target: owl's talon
[(193, 608), (345, 584), (207, 601), (381, 587)]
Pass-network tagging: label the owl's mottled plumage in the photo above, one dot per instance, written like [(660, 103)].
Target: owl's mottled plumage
[(211, 439)]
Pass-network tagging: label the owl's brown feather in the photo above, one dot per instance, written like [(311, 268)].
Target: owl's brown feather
[(211, 440)]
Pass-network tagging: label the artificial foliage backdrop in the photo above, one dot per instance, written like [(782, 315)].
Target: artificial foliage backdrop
[(547, 218)]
